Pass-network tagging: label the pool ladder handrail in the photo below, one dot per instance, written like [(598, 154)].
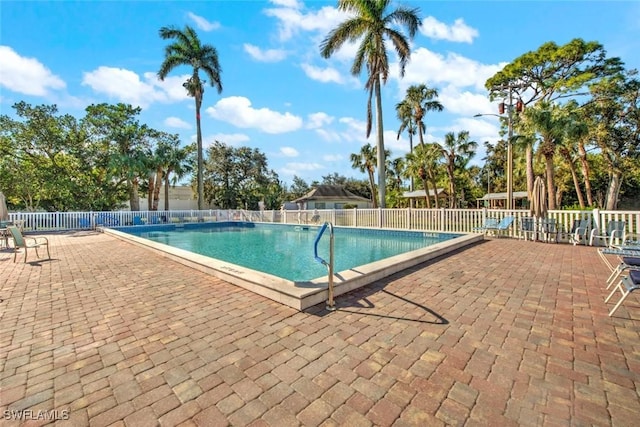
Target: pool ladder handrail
[(330, 301)]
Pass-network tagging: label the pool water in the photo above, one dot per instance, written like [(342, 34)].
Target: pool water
[(286, 251)]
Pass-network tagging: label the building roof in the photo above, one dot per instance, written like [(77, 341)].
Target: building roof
[(421, 193), (330, 192), (503, 196)]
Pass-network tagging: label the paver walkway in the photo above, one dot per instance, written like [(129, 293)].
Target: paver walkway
[(503, 333)]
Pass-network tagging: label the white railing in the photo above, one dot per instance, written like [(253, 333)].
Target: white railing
[(437, 220)]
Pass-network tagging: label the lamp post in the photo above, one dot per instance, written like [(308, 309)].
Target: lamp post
[(501, 109)]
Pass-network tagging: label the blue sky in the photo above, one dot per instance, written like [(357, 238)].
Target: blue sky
[(307, 114)]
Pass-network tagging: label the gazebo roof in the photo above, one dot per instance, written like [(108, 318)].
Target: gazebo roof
[(330, 192)]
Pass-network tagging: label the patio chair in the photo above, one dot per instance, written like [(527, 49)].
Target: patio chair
[(315, 219), (614, 230), (137, 220), (579, 231), (528, 227), (549, 229), (625, 287), (20, 241)]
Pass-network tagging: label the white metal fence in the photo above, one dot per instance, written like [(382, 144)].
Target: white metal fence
[(447, 220)]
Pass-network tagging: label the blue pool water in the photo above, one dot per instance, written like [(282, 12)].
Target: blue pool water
[(285, 250)]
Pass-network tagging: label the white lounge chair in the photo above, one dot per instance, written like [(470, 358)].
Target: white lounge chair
[(625, 287)]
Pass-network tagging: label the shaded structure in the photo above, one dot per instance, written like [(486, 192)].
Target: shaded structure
[(499, 200)]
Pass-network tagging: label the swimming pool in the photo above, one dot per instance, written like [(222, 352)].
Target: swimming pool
[(285, 250), (276, 260)]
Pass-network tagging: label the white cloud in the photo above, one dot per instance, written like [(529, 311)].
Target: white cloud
[(287, 3), (202, 23), (26, 75), (328, 135), (299, 168), (458, 32), (127, 86), (465, 103), (289, 152), (269, 55), (332, 157), (238, 111), (318, 120), (322, 75), (176, 122), (436, 69), (293, 20), (233, 139)]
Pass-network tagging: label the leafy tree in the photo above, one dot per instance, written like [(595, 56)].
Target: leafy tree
[(171, 162), (124, 144), (551, 73), (237, 177), (371, 23), (616, 116), (456, 151), (187, 49), (299, 188)]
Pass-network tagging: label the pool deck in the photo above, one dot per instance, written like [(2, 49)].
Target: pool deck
[(505, 332)]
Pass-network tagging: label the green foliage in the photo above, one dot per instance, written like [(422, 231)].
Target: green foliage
[(239, 178)]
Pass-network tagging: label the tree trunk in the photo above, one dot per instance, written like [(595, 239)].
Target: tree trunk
[(381, 160), (372, 184), (585, 172), (530, 176), (574, 175), (425, 184), (452, 187), (614, 189), (166, 190), (434, 184), (200, 156), (551, 189), (134, 198), (152, 184), (156, 190)]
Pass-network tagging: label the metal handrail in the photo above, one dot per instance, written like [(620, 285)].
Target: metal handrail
[(330, 301)]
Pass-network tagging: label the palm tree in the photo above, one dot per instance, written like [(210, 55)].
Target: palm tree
[(404, 112), (188, 50), (422, 99), (176, 162), (544, 120), (423, 163), (456, 150), (365, 161), (373, 25)]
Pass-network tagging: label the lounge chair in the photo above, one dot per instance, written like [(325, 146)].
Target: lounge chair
[(20, 241), (614, 230), (626, 263), (630, 251), (315, 219), (488, 223), (625, 287), (579, 231), (528, 227), (137, 220), (502, 226)]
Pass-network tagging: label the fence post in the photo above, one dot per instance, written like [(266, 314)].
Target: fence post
[(596, 218)]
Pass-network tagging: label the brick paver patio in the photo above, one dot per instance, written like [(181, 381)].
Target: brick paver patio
[(503, 333)]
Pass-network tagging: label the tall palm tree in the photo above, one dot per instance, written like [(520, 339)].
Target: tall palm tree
[(456, 150), (545, 121), (365, 161), (422, 99), (373, 25), (404, 112), (187, 49)]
